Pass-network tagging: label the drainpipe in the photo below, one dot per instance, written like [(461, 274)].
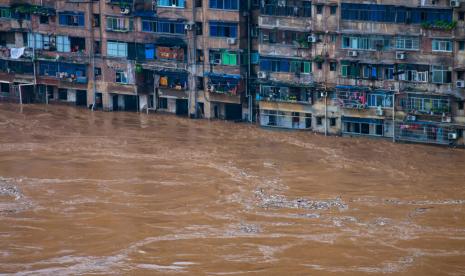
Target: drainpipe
[(249, 66), (326, 112), (394, 117)]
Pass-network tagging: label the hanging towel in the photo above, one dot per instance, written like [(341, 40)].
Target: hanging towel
[(16, 53)]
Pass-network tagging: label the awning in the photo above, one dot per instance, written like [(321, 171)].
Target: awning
[(170, 41), (145, 14), (352, 88), (362, 120), (221, 76)]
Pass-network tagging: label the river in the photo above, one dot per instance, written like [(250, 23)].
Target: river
[(100, 193)]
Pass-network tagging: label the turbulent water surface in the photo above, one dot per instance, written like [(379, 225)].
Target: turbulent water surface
[(126, 193)]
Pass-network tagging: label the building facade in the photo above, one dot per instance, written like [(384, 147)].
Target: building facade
[(393, 69)]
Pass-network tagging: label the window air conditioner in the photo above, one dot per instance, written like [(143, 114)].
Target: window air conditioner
[(125, 11), (452, 136), (460, 84), (312, 39), (353, 53), (232, 41), (411, 118), (455, 3), (400, 55), (262, 75)]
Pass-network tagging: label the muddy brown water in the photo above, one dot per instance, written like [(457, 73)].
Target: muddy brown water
[(136, 194)]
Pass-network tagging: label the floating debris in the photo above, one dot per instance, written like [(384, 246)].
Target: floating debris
[(250, 228), (281, 201), (9, 190)]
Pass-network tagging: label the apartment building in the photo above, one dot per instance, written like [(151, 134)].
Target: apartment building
[(394, 69), (183, 57)]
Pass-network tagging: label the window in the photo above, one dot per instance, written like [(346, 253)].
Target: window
[(379, 100), (62, 94), (460, 105), (119, 24), (395, 14), (71, 19), (97, 71), (441, 74), (461, 16), (333, 38), (163, 103), (332, 66), (198, 28), (332, 122), (442, 45), (4, 87), (198, 3), (63, 44), (407, 43), (171, 3), (319, 65), (43, 19), (121, 77), (222, 29), (307, 9), (5, 13), (319, 121), (224, 4), (461, 45), (117, 49), (366, 42), (163, 26), (333, 10), (96, 20), (199, 82), (319, 9), (35, 40)]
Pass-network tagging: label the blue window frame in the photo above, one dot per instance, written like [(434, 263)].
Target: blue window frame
[(71, 19), (163, 26), (395, 14), (172, 3), (223, 29), (224, 4)]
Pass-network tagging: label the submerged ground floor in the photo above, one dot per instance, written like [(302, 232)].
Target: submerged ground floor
[(315, 116)]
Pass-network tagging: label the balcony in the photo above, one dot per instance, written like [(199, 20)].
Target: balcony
[(225, 84), (285, 94), (425, 104)]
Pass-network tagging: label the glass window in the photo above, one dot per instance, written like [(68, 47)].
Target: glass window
[(63, 44), (117, 49), (442, 45)]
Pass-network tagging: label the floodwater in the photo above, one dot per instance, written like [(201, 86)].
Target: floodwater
[(125, 193)]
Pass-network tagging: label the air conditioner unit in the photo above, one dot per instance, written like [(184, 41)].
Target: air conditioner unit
[(312, 38), (125, 11), (446, 119), (188, 27), (379, 111), (400, 55), (452, 136), (210, 88), (231, 41), (262, 75), (455, 3), (215, 61), (323, 94), (411, 118), (353, 53), (460, 84)]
